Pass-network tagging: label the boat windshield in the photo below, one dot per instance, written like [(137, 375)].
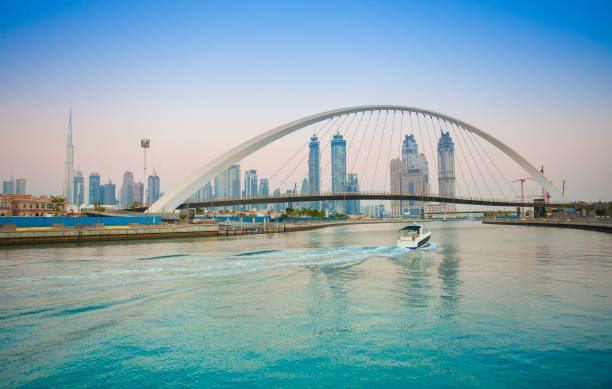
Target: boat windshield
[(410, 231)]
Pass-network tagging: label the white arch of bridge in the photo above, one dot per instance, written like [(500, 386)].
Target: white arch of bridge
[(177, 195)]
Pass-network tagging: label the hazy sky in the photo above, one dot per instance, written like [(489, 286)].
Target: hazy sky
[(200, 77)]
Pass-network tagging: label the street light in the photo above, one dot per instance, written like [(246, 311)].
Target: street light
[(145, 144)]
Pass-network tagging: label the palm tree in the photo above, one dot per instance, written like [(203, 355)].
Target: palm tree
[(58, 204), (98, 208)]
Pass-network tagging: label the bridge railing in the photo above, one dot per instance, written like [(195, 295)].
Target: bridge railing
[(394, 196)]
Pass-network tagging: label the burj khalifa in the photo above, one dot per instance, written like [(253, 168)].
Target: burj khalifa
[(69, 165)]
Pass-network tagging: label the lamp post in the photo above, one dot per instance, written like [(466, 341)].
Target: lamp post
[(145, 144)]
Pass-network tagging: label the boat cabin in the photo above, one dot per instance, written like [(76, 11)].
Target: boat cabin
[(410, 232)]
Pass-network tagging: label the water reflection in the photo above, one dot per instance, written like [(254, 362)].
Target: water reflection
[(414, 279), (448, 273)]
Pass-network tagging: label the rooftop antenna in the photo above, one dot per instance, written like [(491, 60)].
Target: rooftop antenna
[(145, 144)]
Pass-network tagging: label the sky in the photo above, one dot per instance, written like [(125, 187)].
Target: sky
[(198, 78)]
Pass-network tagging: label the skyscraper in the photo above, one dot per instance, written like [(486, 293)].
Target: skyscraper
[(304, 190), (338, 170), (127, 189), (313, 170), (152, 188), (220, 189), (78, 184), (264, 190), (409, 175), (69, 165), (95, 194), (20, 186), (8, 186), (446, 165), (139, 192), (206, 193), (353, 207), (233, 183), (108, 193), (250, 183), (278, 207)]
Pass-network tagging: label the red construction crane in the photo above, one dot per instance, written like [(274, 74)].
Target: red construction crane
[(522, 181), (545, 194)]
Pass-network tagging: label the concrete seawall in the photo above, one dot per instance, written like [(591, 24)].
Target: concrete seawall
[(94, 234), (99, 234), (576, 224)]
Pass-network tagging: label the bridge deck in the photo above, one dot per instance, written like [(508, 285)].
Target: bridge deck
[(310, 197)]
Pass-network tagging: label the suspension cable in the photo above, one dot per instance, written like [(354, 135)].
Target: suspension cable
[(420, 139), (371, 142), (305, 156), (433, 156), (350, 141), (389, 151), (454, 172), (361, 143), (476, 163), (465, 160), (379, 149), (485, 164), (345, 134), (282, 166), (495, 165)]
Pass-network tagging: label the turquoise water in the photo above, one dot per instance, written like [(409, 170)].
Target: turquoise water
[(483, 306)]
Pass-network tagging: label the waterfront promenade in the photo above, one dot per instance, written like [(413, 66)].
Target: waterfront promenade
[(25, 236), (593, 225)]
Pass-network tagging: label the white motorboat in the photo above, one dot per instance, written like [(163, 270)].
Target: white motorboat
[(413, 236)]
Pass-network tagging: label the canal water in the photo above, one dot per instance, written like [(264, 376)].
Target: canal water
[(483, 306)]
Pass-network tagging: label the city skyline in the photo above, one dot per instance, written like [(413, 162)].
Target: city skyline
[(538, 87)]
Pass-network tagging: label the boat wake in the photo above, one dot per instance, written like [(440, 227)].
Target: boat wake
[(205, 265)]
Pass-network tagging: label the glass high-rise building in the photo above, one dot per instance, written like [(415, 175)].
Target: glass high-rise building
[(108, 193), (127, 189), (353, 207), (338, 170), (8, 187), (95, 193), (314, 181), (304, 190), (220, 189), (264, 190), (233, 181), (152, 188), (139, 192), (410, 174), (250, 183), (20, 186), (278, 207), (446, 165), (204, 193), (78, 182)]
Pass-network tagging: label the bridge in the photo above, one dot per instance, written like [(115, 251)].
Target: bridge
[(380, 196), (388, 152)]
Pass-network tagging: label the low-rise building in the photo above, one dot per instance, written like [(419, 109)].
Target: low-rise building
[(27, 205), (439, 209)]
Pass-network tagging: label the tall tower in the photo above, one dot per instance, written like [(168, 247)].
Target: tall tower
[(127, 189), (313, 169), (152, 188), (338, 170), (69, 165), (410, 174), (446, 165)]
